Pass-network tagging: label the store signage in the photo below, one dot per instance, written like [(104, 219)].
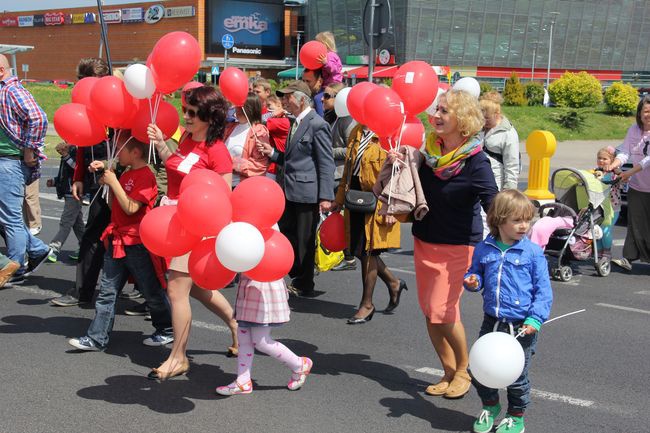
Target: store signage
[(112, 16), (26, 21), (180, 12), (9, 22), (54, 19), (256, 51), (252, 23), (154, 14), (132, 15), (39, 20)]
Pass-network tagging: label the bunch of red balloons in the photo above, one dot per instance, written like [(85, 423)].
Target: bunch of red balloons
[(225, 232), (103, 102), (391, 112)]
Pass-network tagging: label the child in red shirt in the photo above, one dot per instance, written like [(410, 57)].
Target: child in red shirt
[(278, 125), (134, 194)]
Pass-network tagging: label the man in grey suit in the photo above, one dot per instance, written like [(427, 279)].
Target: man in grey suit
[(308, 181)]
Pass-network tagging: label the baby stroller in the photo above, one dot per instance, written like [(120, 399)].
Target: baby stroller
[(582, 197)]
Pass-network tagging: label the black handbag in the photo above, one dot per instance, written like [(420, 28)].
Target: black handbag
[(358, 201)]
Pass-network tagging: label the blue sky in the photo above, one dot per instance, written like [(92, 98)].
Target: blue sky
[(33, 5)]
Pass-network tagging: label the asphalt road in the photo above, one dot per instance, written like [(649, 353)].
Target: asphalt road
[(590, 373)]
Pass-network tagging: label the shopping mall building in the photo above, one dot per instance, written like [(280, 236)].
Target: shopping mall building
[(483, 38)]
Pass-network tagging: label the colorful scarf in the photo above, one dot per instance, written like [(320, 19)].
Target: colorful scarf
[(447, 166)]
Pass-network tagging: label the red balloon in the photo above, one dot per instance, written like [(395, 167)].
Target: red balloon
[(189, 86), (204, 209), (417, 83), (383, 111), (311, 52), (258, 201), (206, 270), (332, 232), (205, 177), (111, 102), (412, 133), (175, 59), (233, 83), (356, 98), (76, 124), (278, 258), (163, 234), (81, 90), (167, 120)]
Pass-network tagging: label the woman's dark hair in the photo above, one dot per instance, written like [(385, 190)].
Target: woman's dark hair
[(645, 100), (212, 108), (92, 67), (253, 108)]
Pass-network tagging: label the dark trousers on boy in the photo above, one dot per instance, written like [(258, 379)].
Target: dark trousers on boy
[(519, 391), (137, 262)]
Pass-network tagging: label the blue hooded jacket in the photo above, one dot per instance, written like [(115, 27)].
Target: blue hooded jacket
[(515, 282)]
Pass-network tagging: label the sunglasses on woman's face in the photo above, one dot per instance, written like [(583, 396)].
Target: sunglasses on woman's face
[(328, 96), (189, 111)]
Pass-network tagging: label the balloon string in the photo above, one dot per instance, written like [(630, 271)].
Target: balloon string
[(257, 140), (401, 131), (522, 331)]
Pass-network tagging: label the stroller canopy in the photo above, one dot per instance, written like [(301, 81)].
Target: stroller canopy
[(579, 188)]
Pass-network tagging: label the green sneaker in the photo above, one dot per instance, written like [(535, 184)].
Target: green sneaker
[(511, 424), (485, 420), (52, 257), (74, 256)]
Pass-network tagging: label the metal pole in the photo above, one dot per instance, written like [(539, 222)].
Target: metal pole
[(532, 69), (298, 32), (102, 24), (371, 34), (225, 58), (550, 48)]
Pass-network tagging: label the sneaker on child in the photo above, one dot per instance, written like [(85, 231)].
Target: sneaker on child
[(485, 420), (84, 343), (511, 424), (157, 339)]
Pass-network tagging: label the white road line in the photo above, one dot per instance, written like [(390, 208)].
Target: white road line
[(618, 242), (619, 307), (210, 326), (45, 217), (544, 395), (643, 292), (49, 196), (403, 271)]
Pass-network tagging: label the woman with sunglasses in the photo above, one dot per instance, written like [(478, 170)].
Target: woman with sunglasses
[(200, 147), (242, 139)]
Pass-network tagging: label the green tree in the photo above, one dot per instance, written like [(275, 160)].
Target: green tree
[(576, 90), (485, 87), (534, 92), (513, 93), (621, 98)]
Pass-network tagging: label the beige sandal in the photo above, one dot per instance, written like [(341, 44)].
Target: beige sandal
[(460, 385)]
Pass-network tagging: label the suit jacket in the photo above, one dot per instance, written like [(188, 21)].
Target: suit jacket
[(308, 161)]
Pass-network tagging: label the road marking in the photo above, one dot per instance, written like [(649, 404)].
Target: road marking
[(404, 271), (544, 395), (49, 196), (618, 242), (45, 217), (643, 292), (210, 326), (619, 307)]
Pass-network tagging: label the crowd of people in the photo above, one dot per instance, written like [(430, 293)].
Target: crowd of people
[(470, 230)]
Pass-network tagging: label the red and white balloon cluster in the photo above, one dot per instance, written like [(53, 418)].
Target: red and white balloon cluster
[(103, 102), (391, 112), (225, 232)]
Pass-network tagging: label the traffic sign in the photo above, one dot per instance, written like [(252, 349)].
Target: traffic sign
[(215, 70), (228, 41), (382, 25)]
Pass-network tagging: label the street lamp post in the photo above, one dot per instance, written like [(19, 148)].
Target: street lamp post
[(532, 69), (550, 47), (298, 33)]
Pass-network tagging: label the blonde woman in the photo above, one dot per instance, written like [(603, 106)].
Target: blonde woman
[(457, 181), (501, 142), (332, 67)]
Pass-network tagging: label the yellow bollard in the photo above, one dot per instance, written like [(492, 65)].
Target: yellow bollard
[(540, 146)]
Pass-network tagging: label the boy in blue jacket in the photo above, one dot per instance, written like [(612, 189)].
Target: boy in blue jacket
[(513, 274)]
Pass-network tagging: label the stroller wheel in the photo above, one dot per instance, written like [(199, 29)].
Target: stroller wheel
[(565, 273), (603, 267)]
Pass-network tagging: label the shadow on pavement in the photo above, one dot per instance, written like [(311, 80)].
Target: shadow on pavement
[(390, 377), (333, 310)]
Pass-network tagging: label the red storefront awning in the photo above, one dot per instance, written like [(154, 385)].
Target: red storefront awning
[(379, 72)]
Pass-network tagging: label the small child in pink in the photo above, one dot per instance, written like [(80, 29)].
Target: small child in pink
[(332, 67), (259, 307)]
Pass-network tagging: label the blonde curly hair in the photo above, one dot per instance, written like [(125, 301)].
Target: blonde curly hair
[(491, 103), (467, 111)]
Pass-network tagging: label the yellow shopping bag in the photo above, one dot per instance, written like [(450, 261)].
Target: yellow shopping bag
[(325, 259)]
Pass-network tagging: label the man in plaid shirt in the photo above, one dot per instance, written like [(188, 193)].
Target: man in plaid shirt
[(22, 132)]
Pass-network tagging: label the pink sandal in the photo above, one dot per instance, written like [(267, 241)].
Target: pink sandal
[(298, 378), (235, 388)]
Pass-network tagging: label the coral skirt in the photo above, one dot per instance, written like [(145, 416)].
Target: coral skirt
[(439, 272)]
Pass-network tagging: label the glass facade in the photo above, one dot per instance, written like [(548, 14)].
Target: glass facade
[(587, 34)]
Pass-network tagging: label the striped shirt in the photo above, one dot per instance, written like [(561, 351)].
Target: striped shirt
[(363, 145)]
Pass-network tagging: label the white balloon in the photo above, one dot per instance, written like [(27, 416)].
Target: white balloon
[(341, 102), (470, 85), (139, 82), (240, 246), (496, 360), (431, 111)]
